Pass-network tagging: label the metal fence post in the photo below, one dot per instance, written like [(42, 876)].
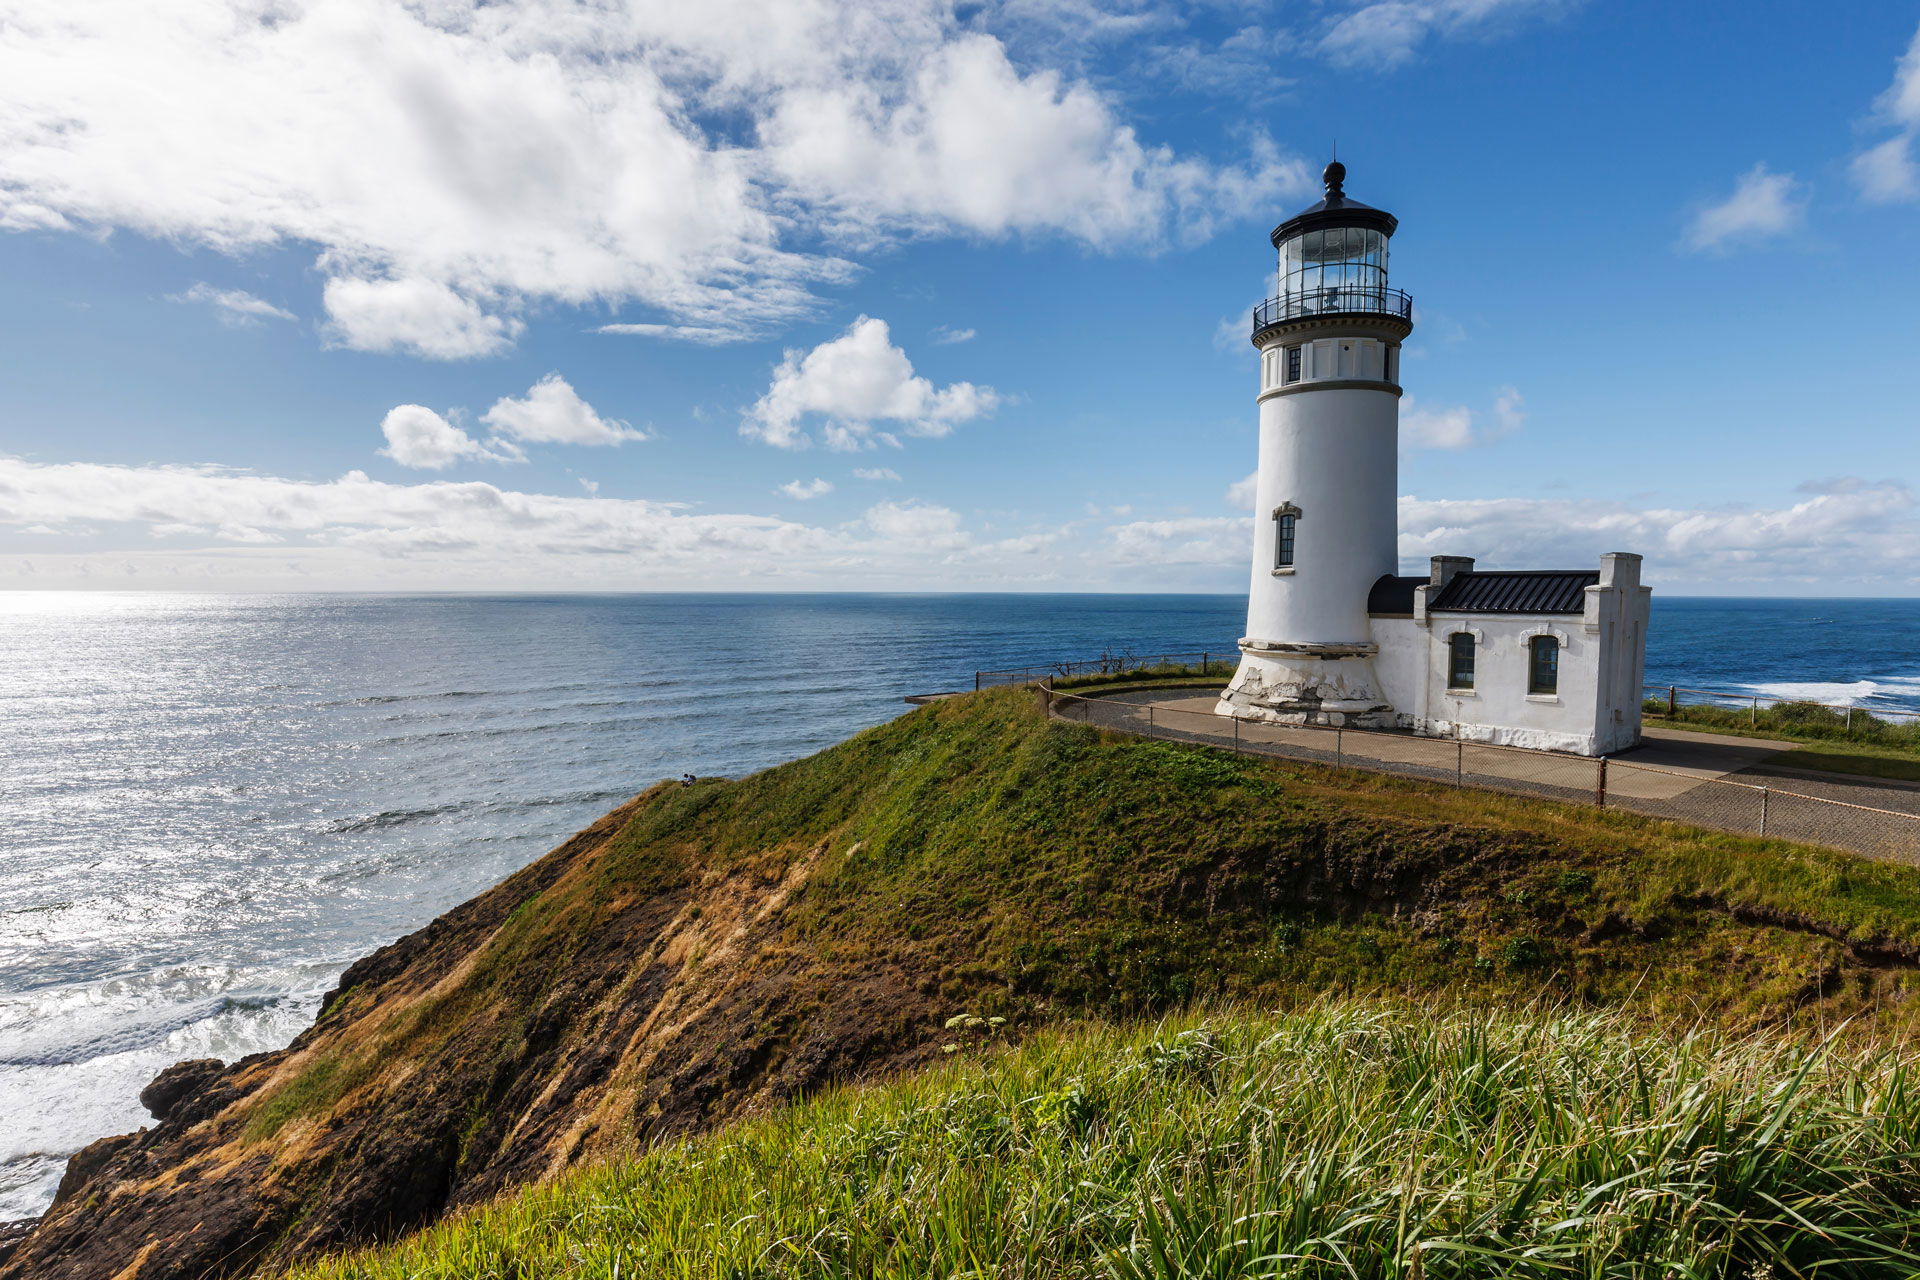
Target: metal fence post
[(1670, 701), (1600, 785), (1339, 748), (1755, 720), (976, 682), (1459, 762), (1149, 722), (1236, 735), (1766, 793)]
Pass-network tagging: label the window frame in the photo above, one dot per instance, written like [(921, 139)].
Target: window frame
[(1536, 644), (1286, 537), (1454, 653), (1294, 364)]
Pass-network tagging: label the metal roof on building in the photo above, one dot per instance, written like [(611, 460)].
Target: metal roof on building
[(1393, 596), (1516, 591)]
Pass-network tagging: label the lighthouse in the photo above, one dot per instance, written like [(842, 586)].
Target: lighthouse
[(1326, 523)]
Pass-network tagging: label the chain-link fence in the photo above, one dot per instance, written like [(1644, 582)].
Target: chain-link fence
[(1195, 662), (1848, 721), (1677, 794)]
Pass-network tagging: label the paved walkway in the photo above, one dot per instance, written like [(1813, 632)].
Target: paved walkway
[(1675, 774)]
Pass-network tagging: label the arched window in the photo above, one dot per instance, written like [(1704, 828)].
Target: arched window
[(1285, 522), (1460, 660), (1543, 665)]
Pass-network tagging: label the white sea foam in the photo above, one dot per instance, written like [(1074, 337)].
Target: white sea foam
[(79, 1055), (1853, 693)]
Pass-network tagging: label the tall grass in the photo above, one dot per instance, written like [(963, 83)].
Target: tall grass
[(1805, 721), (1348, 1140)]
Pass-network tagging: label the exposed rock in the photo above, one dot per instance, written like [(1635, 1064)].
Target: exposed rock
[(178, 1083)]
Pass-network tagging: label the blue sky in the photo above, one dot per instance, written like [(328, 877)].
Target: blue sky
[(314, 295)]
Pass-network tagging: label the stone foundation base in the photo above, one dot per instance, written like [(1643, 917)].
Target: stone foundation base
[(1308, 688)]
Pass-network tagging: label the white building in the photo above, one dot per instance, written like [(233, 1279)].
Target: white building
[(1543, 658)]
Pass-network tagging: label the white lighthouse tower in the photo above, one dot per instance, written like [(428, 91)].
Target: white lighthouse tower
[(1326, 521)]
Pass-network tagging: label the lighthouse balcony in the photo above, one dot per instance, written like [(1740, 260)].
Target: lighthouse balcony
[(1340, 300)]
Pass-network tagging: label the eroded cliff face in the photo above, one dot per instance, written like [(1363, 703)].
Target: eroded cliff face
[(705, 951), (479, 1053)]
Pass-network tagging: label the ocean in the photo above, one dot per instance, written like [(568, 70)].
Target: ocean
[(211, 804)]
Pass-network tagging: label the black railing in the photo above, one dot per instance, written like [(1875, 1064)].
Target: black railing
[(1349, 300)]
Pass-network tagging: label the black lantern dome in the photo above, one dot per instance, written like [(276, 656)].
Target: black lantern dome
[(1333, 260)]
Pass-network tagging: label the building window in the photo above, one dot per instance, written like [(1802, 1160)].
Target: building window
[(1543, 665), (1293, 364), (1460, 660), (1284, 521), (1392, 353)]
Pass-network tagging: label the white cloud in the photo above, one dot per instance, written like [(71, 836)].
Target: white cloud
[(802, 490), (1457, 427), (1763, 205), (552, 412), (236, 306), (1241, 492), (453, 166), (944, 336), (419, 437), (1851, 533), (702, 335), (1388, 33), (1886, 173), (206, 527), (875, 473), (415, 315), (916, 524), (854, 382)]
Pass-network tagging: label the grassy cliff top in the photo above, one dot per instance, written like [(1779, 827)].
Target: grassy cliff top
[(711, 952), (1349, 1139)]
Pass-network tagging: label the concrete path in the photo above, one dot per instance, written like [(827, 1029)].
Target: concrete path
[(1711, 779)]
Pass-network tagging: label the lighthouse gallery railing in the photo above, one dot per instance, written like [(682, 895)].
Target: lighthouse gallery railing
[(1342, 300)]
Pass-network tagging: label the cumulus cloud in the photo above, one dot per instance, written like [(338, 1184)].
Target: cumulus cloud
[(1886, 172), (235, 306), (419, 437), (802, 490), (552, 412), (1763, 205), (1387, 33), (875, 473), (854, 385), (1457, 427), (453, 166), (414, 315)]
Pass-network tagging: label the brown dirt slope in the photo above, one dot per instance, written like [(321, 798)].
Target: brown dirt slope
[(705, 951)]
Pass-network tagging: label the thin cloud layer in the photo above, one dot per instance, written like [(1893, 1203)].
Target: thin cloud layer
[(1887, 172), (454, 166), (209, 526), (234, 306), (1763, 205), (862, 389)]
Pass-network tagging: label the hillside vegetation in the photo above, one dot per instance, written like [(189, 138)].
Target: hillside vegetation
[(709, 952), (1353, 1139)]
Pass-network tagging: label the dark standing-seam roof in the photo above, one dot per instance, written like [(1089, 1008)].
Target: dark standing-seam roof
[(1391, 595), (1516, 591)]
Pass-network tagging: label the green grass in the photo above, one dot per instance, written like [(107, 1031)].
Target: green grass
[(1797, 722), (1350, 1139), (1865, 759)]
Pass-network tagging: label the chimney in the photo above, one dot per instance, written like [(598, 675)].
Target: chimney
[(1619, 569), (1444, 567)]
